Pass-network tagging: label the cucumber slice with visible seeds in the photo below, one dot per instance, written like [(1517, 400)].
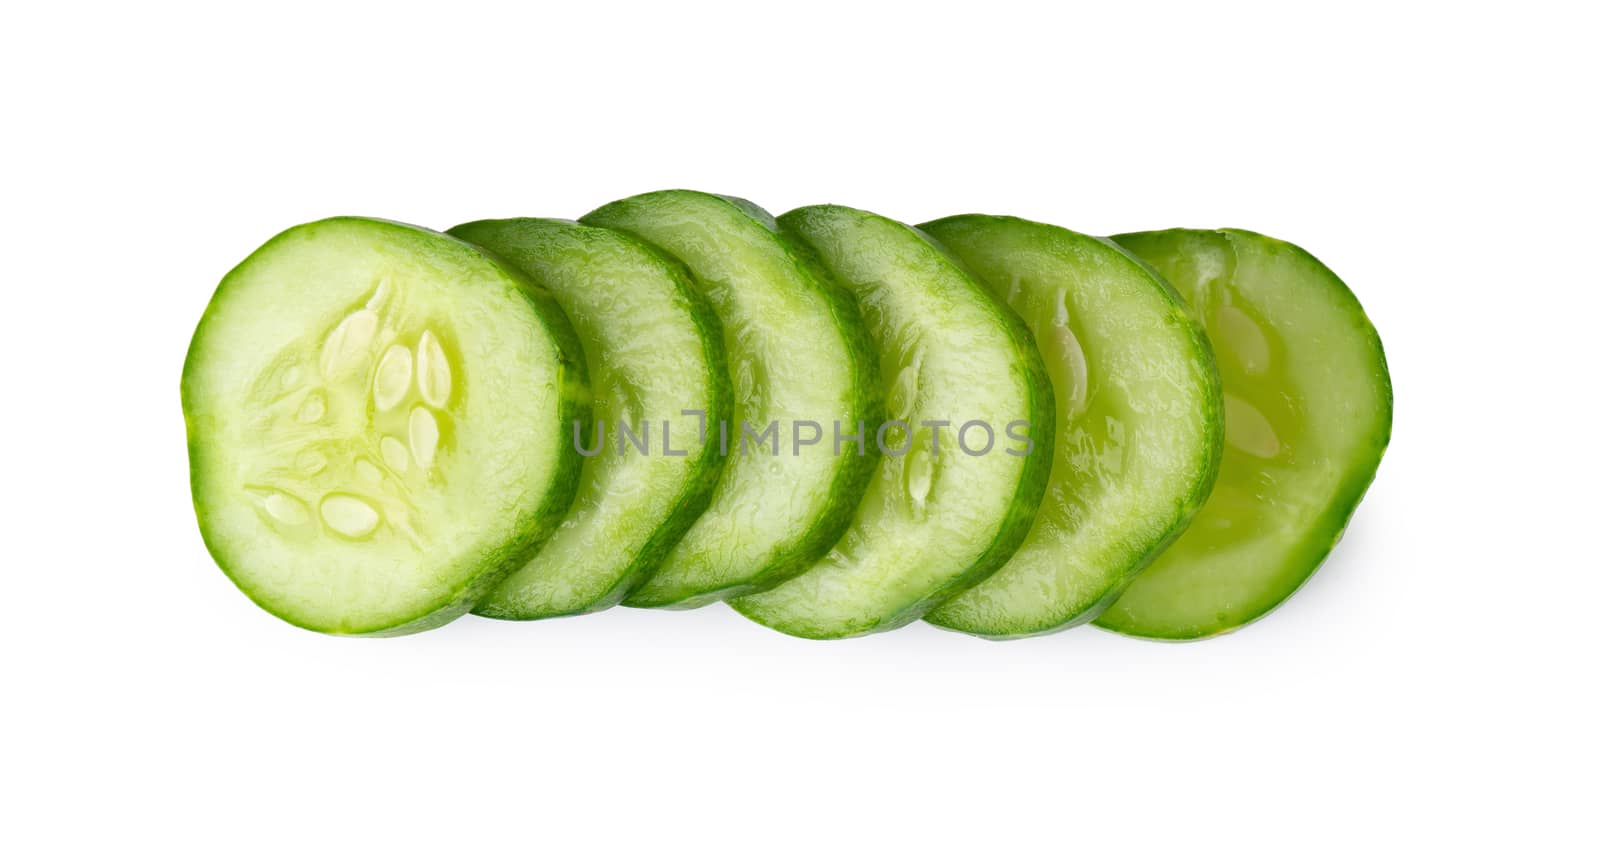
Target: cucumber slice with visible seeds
[(1308, 407), (376, 420), (654, 350), (930, 524), (798, 353), (1138, 421)]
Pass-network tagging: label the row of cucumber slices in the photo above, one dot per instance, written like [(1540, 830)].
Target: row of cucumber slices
[(836, 422)]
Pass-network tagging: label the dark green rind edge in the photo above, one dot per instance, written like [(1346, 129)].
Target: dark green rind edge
[(1331, 529), (1032, 482), (500, 562), (1186, 508), (702, 481), (852, 472)]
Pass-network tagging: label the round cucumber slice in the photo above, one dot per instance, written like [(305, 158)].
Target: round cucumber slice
[(799, 356), (1138, 421), (654, 351), (1307, 406), (947, 506), (376, 418)]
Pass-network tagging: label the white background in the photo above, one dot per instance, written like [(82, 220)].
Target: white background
[(1429, 697)]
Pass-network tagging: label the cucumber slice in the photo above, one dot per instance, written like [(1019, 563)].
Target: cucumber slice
[(798, 352), (930, 524), (1308, 407), (377, 419), (1138, 421), (654, 350)]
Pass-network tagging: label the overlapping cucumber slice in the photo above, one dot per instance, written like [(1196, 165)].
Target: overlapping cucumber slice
[(1138, 421), (656, 361), (799, 356), (1308, 407), (931, 522), (377, 420)]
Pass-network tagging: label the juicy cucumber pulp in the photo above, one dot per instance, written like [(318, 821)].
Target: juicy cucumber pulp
[(798, 352), (1308, 408), (931, 523), (1138, 431), (653, 350), (376, 418)]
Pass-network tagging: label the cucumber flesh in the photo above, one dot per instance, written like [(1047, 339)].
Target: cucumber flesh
[(1308, 408), (1138, 421), (929, 525), (798, 351), (375, 419), (633, 309)]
